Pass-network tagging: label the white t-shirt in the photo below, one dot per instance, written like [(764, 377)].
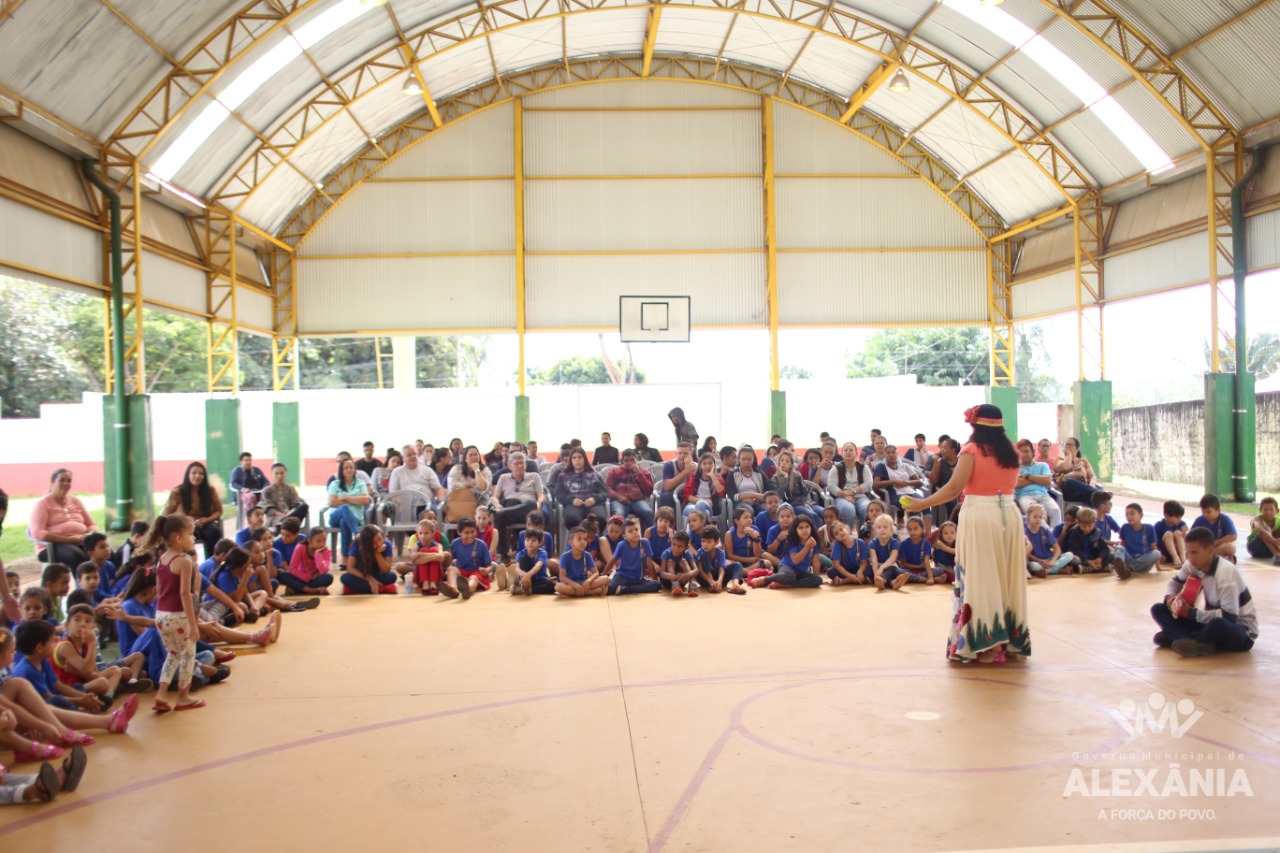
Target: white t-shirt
[(421, 479)]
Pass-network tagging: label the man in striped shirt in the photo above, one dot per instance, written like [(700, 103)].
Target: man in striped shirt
[(1228, 619)]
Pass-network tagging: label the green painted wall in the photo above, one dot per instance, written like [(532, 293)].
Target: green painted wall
[(1006, 397), (1093, 424), (778, 413), (286, 440), (1219, 433), (522, 420), (221, 442), (139, 459)]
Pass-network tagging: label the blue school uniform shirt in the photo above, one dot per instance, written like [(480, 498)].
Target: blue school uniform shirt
[(914, 553), (470, 557), (883, 552), (764, 522), (947, 559), (658, 545), (1057, 531), (242, 536), (790, 559), (684, 562), (742, 544), (1138, 542), (1222, 527), (386, 549), (285, 549), (576, 568), (632, 560), (539, 555), (41, 679), (126, 633), (208, 567), (1162, 528), (711, 561), (106, 581), (774, 533), (547, 544), (1109, 525), (850, 558), (1041, 543)]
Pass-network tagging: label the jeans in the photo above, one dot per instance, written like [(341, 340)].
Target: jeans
[(702, 506), (619, 585), (1141, 563), (297, 585), (642, 509), (1061, 563), (300, 512), (573, 515), (1226, 635), (852, 511), (939, 574), (787, 576), (65, 553), (208, 535), (348, 523), (1076, 492), (1051, 509), (360, 586), (867, 575)]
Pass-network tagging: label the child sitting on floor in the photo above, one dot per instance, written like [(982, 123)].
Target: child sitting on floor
[(578, 575), (255, 519), (1044, 557), (309, 564), (715, 573), (742, 541), (289, 539), (798, 567), (220, 551), (1138, 550), (884, 555), (429, 564), (534, 533), (99, 550), (1264, 533), (875, 509), (75, 661), (468, 573), (369, 565), (1101, 503), (1219, 524), (35, 642), (944, 549), (632, 560), (1069, 517), (44, 785), (679, 566), (659, 536), (1172, 533), (775, 542), (137, 533), (1227, 620), (36, 606), (827, 532), (56, 581), (1087, 542), (531, 576), (609, 541), (915, 555), (849, 559)]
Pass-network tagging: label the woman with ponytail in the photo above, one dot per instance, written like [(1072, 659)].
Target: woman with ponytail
[(989, 623)]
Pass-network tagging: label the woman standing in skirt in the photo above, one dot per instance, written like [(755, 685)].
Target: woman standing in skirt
[(989, 623)]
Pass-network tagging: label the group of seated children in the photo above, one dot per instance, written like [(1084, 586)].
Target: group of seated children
[(1091, 540)]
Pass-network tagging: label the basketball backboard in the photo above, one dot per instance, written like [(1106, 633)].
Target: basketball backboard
[(653, 319)]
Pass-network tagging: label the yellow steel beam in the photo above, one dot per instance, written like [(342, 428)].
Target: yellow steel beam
[(1087, 237), (284, 334), (1000, 258), (771, 237), (877, 79), (7, 8), (650, 38), (518, 160), (1035, 222), (1223, 170)]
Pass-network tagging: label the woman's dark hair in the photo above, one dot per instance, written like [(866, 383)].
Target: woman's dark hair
[(746, 448), (992, 440), (204, 490), (366, 559), (793, 535), (466, 466), (56, 473), (142, 579), (586, 463), (707, 454), (706, 446), (643, 439), (4, 507), (342, 482), (441, 454), (164, 527)]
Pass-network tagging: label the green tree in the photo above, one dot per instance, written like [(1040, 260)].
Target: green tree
[(578, 370), (939, 355), (791, 371), (1263, 355), (37, 364), (1031, 368)]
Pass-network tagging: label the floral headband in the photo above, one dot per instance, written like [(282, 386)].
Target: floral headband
[(971, 417)]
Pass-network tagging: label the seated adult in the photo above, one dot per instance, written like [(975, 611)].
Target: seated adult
[(811, 467), (348, 500), (644, 451), (369, 463), (919, 455), (441, 463), (495, 458), (247, 482), (517, 493), (60, 519), (630, 488), (280, 500), (471, 473), (1044, 453), (580, 491), (870, 451), (1034, 480), (898, 477), (675, 472), (381, 475), (851, 482), (606, 453), (940, 474), (199, 500), (769, 463), (728, 459), (414, 476), (709, 445), (455, 450), (531, 458), (745, 484), (1074, 474)]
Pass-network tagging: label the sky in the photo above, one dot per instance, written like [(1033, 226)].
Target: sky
[(1154, 344)]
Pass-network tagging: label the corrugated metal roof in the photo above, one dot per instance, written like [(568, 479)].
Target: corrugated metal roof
[(1016, 187), (418, 218), (535, 43), (963, 138), (691, 31), (880, 213), (583, 290), (1239, 67), (1155, 118), (882, 287), (643, 93), (1161, 208), (764, 42), (329, 146), (644, 215), (457, 68), (907, 110), (808, 144), (902, 14), (1175, 24), (203, 174), (610, 31), (1089, 140), (384, 109), (176, 26), (276, 197), (829, 64)]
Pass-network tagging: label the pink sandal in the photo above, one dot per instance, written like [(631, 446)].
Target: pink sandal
[(74, 738), (120, 719), (38, 752)]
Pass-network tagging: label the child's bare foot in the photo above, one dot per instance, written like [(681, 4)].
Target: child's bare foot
[(450, 590), (900, 581), (737, 590), (1040, 573), (879, 582)]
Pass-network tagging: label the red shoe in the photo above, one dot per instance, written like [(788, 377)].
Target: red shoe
[(388, 589), (346, 590), (693, 592), (677, 590)]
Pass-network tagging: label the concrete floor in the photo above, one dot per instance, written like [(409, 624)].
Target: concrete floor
[(801, 720)]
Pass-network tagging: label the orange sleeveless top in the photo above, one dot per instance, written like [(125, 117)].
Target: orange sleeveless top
[(988, 477)]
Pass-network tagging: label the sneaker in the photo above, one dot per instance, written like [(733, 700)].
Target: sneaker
[(309, 604), (517, 588), (1193, 648), (676, 589), (693, 591), (138, 685), (1121, 570)]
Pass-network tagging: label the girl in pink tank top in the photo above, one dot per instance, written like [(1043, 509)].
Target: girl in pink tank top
[(174, 537)]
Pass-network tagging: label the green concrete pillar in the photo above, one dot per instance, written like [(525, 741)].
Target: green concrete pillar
[(222, 442), (1246, 471), (778, 413), (522, 419), (286, 440), (139, 459), (1093, 424), (1006, 398), (1219, 433)]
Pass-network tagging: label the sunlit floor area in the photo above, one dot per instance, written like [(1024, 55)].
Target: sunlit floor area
[(802, 720)]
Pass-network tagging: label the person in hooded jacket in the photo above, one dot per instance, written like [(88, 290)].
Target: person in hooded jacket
[(685, 431)]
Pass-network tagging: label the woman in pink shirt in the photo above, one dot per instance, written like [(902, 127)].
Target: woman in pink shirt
[(990, 619), (61, 520)]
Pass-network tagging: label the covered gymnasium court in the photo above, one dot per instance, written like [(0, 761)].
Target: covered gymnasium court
[(290, 169)]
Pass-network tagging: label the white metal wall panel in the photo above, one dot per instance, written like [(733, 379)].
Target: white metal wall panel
[(34, 239), (1263, 240), (808, 144), (1046, 295), (25, 161), (248, 266), (629, 215), (881, 213), (1016, 188), (583, 290), (1181, 261), (659, 142), (644, 93), (253, 308), (482, 144), (375, 294), (165, 280), (419, 216), (882, 287)]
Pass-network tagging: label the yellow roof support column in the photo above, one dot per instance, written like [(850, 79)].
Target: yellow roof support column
[(1087, 234), (518, 160), (1000, 257), (770, 235), (651, 37)]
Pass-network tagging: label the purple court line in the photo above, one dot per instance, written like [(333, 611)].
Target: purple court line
[(46, 814), (691, 790)]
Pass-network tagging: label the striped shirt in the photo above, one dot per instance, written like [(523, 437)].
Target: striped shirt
[(1225, 594)]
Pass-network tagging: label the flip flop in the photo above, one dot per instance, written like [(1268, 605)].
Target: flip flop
[(221, 674), (161, 707), (223, 657), (309, 604), (190, 706), (74, 768), (47, 783)]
